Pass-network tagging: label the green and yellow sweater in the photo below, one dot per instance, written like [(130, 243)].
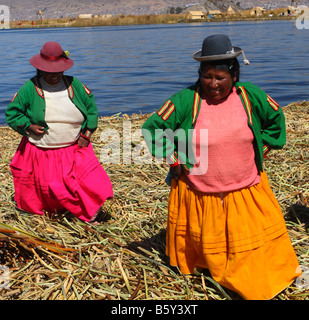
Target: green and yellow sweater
[(28, 105), (172, 125)]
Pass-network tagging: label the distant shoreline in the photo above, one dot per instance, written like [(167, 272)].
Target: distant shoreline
[(130, 20)]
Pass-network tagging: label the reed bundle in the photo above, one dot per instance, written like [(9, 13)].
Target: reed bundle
[(62, 258)]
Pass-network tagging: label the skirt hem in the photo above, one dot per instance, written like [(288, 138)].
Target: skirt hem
[(65, 179)]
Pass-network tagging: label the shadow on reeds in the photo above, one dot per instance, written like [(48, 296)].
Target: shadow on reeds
[(298, 213), (156, 243)]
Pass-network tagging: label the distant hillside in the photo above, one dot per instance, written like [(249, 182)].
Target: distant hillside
[(27, 9), (270, 4)]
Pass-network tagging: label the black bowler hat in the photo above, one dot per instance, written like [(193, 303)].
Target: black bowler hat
[(218, 47)]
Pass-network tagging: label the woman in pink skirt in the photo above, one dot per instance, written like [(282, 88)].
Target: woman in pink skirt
[(55, 168)]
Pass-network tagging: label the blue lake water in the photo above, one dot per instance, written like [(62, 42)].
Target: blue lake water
[(132, 69)]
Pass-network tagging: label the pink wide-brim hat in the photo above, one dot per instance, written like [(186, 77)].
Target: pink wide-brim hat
[(52, 58)]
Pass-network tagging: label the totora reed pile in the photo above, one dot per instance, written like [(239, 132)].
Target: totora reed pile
[(58, 257)]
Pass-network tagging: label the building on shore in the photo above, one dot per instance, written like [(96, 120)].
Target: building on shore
[(85, 16), (257, 11), (230, 11), (195, 15), (214, 13), (292, 11)]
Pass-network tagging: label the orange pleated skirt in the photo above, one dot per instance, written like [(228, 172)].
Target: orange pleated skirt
[(240, 237)]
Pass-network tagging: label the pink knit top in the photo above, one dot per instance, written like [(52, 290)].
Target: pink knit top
[(224, 148)]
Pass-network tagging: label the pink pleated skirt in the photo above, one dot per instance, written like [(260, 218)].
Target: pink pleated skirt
[(59, 180)]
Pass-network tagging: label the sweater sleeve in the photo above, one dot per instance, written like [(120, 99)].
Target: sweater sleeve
[(273, 126), (16, 112), (269, 124), (88, 101), (92, 115), (160, 133)]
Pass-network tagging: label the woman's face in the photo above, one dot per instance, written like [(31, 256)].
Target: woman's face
[(216, 84), (52, 78)]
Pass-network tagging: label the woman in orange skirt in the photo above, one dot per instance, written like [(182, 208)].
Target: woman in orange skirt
[(222, 214)]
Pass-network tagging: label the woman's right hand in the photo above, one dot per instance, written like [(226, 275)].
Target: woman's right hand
[(176, 172), (36, 129)]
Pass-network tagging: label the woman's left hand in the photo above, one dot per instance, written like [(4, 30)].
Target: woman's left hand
[(82, 142)]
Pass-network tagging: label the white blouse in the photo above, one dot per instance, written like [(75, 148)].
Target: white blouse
[(63, 118)]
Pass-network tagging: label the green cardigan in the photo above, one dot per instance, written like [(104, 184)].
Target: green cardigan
[(28, 105), (167, 132)]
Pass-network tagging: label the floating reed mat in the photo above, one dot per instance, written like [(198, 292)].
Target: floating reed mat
[(58, 257)]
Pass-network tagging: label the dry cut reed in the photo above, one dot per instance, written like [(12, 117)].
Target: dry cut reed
[(54, 257)]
